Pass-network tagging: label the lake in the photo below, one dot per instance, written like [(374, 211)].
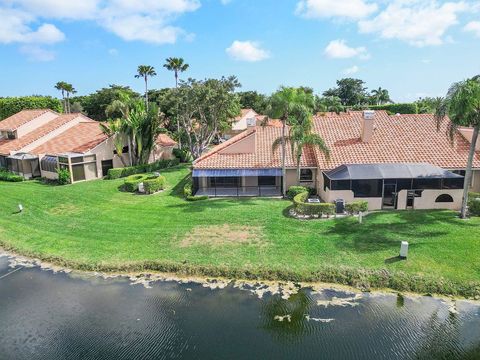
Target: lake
[(63, 316)]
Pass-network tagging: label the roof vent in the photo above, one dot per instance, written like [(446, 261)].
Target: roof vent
[(369, 114)]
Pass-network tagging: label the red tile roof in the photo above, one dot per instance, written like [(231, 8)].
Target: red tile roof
[(15, 121), (262, 157), (7, 146), (80, 138), (396, 139), (165, 140)]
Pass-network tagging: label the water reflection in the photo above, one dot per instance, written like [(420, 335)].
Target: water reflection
[(59, 316)]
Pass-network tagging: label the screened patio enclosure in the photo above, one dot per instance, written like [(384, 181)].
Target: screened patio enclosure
[(237, 182), (394, 185), (23, 164)]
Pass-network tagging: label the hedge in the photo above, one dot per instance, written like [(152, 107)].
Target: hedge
[(196, 198), (356, 206), (131, 182), (6, 175), (153, 185), (474, 204), (406, 108), (117, 173), (311, 209), (295, 190), (12, 105), (188, 193)]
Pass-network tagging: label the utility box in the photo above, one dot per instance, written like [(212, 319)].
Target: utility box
[(141, 188), (404, 249), (339, 206)]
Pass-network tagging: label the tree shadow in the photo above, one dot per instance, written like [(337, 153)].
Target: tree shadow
[(374, 234)]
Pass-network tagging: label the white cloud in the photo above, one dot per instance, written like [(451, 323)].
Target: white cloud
[(113, 51), (417, 22), (351, 9), (68, 9), (338, 49), (351, 70), (474, 27), (36, 53), (247, 51), (14, 28)]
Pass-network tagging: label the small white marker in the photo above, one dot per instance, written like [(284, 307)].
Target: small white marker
[(404, 250), (20, 207)]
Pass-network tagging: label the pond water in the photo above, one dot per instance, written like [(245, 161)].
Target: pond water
[(60, 316)]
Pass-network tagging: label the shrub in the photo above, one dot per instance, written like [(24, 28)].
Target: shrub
[(117, 173), (188, 189), (131, 182), (295, 190), (196, 198), (357, 206), (63, 176), (407, 108), (153, 185), (474, 204), (12, 105), (182, 154), (6, 175), (311, 209)]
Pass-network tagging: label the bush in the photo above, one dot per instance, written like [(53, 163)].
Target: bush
[(196, 198), (63, 176), (182, 154), (295, 190), (188, 189), (153, 185), (311, 209), (357, 206), (6, 175), (12, 105), (407, 108), (117, 173), (131, 182), (474, 204)]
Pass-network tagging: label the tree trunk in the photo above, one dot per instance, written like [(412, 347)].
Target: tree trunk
[(284, 154), (64, 103), (68, 102), (178, 122), (298, 169), (468, 174), (146, 93), (130, 150)]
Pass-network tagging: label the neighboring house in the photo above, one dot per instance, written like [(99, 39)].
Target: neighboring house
[(163, 150), (398, 161), (34, 143), (248, 118)]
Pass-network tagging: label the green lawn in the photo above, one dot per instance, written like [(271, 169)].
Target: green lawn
[(93, 224)]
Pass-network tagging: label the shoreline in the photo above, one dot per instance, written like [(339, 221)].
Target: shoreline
[(257, 286)]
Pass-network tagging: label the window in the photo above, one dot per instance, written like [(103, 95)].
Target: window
[(124, 150), (326, 182), (340, 185), (11, 135), (453, 183), (367, 188), (266, 181), (427, 183), (78, 172), (78, 159), (225, 181), (444, 198), (459, 172), (306, 175), (49, 163)]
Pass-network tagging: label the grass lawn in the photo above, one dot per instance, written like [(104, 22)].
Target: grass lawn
[(94, 225)]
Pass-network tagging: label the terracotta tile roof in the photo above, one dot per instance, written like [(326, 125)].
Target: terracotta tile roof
[(80, 138), (15, 121), (7, 146), (266, 121), (396, 139), (165, 140), (243, 113), (262, 157)]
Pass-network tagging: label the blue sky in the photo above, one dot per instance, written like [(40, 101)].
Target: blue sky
[(411, 47)]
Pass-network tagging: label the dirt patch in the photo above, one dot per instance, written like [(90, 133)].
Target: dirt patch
[(221, 235)]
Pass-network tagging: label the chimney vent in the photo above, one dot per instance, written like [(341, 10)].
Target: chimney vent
[(368, 125)]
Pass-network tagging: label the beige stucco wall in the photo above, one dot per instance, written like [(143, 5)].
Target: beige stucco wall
[(427, 200), (104, 151), (48, 175), (476, 181), (161, 153), (35, 123), (291, 178), (242, 123), (244, 146)]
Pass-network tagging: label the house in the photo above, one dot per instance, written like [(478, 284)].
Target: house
[(248, 118), (391, 161), (34, 143)]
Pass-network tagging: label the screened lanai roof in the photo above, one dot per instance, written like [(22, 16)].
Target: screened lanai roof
[(389, 171)]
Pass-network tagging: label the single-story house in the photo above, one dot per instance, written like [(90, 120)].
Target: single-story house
[(392, 161), (247, 119), (34, 143)]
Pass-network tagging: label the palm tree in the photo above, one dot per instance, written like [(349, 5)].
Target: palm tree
[(61, 85), (115, 128), (69, 89), (282, 105), (330, 103), (144, 71), (301, 136), (381, 96), (176, 65), (462, 105)]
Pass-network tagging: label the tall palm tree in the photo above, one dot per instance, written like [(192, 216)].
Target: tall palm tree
[(177, 65), (462, 105), (282, 106), (381, 96), (69, 89), (115, 128), (61, 85), (301, 136), (144, 71), (122, 106)]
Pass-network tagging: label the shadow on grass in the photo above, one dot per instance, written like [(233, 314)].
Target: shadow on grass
[(393, 260), (212, 203), (384, 230)]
